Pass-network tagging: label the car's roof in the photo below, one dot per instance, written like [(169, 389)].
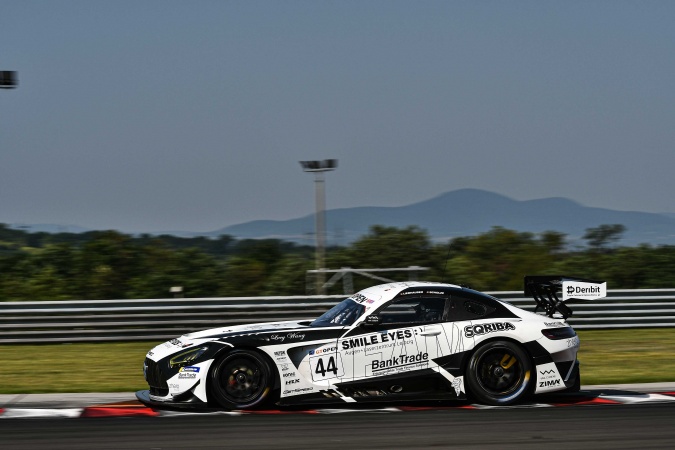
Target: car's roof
[(374, 296)]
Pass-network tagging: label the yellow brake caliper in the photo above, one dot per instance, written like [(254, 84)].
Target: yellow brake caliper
[(507, 361)]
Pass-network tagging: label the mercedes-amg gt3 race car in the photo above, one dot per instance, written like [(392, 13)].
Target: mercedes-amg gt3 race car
[(392, 342)]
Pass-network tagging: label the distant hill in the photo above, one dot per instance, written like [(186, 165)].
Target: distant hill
[(467, 212), (464, 212)]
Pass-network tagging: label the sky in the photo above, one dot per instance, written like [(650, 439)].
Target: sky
[(147, 116)]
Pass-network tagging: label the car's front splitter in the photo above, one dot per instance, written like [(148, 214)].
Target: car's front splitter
[(192, 403)]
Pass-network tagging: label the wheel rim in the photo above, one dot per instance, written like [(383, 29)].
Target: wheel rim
[(242, 380), (500, 371)]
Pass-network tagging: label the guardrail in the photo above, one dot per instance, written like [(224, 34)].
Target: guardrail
[(135, 320)]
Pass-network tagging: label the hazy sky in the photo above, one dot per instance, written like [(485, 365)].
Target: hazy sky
[(193, 115)]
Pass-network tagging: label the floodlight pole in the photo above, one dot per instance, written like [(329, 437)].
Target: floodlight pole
[(319, 168), (8, 79)]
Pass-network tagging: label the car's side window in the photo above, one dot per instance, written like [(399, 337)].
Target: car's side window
[(414, 310), (461, 308), (475, 308)]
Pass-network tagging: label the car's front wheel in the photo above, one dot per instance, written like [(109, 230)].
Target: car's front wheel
[(241, 379), (499, 373)]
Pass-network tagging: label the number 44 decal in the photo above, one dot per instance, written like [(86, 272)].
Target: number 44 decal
[(326, 366)]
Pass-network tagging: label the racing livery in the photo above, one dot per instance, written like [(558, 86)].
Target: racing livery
[(392, 342)]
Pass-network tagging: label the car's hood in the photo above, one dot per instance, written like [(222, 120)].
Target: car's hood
[(274, 332), (241, 330)]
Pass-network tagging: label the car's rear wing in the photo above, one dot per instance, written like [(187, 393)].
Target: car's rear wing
[(545, 289)]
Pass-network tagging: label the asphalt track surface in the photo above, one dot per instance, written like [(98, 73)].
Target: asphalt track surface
[(598, 426)]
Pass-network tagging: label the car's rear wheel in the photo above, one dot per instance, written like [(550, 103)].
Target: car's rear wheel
[(241, 379), (499, 373)]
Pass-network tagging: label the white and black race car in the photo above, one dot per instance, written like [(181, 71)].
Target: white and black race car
[(392, 342)]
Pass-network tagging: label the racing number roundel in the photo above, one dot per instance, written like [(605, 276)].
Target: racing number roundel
[(326, 366)]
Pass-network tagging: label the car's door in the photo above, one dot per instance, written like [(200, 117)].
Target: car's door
[(407, 336)]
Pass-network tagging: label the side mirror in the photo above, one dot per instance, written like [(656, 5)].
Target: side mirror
[(371, 320)]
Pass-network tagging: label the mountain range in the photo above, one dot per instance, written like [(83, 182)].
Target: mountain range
[(467, 212), (464, 212)]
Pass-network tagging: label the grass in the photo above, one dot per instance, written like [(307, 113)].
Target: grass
[(95, 367), (627, 356), (607, 357)]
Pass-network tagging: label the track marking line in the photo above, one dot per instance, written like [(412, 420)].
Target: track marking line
[(132, 408), (646, 398), (117, 411), (35, 413)]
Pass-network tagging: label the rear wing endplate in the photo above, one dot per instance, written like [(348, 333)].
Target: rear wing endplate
[(545, 289)]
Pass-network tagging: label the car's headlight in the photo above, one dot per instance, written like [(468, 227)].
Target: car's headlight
[(187, 357)]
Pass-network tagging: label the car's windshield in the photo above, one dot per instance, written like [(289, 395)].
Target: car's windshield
[(344, 313)]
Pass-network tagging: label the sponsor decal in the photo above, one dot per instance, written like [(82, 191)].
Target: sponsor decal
[(284, 367), (321, 351), (189, 369), (360, 298), (399, 361), (289, 374), (555, 324), (174, 386), (150, 353), (548, 378), (294, 381), (299, 390), (177, 342), (412, 293), (477, 330), (583, 290), (375, 339), (573, 342), (188, 375), (280, 356), (289, 336)]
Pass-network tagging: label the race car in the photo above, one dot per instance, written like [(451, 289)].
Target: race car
[(392, 342)]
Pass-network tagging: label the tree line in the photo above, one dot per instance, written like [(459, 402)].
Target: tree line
[(113, 265)]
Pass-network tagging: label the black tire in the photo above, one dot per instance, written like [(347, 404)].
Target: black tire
[(499, 373), (241, 380)]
